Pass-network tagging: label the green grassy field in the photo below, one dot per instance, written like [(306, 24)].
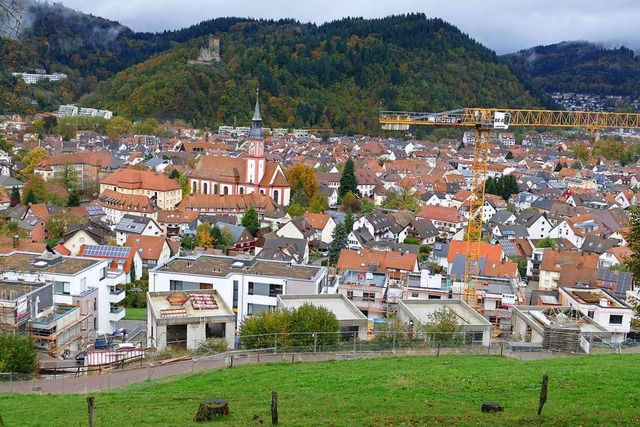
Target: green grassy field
[(409, 391), (136, 314)]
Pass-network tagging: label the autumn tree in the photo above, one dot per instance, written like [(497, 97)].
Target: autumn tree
[(203, 236), (31, 160), (118, 126), (348, 181), (303, 176)]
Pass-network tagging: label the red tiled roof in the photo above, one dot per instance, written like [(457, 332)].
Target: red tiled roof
[(148, 180)]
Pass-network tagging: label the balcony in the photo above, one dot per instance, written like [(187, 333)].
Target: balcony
[(116, 313), (116, 294)]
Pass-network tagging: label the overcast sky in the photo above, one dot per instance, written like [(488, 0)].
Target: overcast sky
[(502, 25)]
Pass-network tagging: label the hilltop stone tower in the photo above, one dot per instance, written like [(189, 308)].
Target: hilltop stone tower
[(208, 55)]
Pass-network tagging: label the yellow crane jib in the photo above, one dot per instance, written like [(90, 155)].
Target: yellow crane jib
[(485, 120)]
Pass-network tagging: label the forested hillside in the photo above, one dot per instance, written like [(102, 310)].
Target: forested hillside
[(335, 75), (580, 67)]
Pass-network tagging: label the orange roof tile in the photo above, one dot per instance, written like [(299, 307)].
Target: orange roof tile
[(487, 250)]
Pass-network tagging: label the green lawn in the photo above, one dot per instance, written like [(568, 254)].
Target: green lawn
[(409, 391), (136, 314)]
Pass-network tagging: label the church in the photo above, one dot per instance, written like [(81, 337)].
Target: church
[(238, 176)]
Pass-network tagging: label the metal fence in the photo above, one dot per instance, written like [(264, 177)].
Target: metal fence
[(209, 354)]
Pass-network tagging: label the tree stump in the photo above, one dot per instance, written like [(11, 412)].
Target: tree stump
[(210, 408), (491, 407)]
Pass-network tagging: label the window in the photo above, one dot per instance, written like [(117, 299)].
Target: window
[(368, 296), (591, 313), (258, 308), (175, 285), (235, 294), (62, 288), (349, 294), (615, 319), (103, 273), (415, 294)]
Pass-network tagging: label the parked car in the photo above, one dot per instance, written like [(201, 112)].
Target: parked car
[(631, 342)]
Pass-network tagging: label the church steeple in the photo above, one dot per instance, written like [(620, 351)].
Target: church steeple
[(256, 121)]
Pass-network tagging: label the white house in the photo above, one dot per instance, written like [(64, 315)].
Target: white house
[(84, 282), (246, 285), (599, 305)]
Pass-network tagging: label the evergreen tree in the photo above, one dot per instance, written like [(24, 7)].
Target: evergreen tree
[(509, 155), (558, 167), (632, 236), (338, 243), (509, 186), (15, 196), (73, 199), (250, 221), (348, 222), (29, 197), (348, 182)]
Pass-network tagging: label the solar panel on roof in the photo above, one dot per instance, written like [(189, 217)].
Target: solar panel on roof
[(107, 251), (94, 210)]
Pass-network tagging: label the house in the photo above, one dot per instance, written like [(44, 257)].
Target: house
[(598, 304), (90, 233), (188, 318), (242, 240), (122, 260), (424, 231), (359, 238), (86, 283), (537, 225), (487, 250), (377, 223), (555, 328), (474, 328), (247, 286), (177, 223), (90, 167), (34, 226), (323, 225), (614, 256), (397, 264), (566, 268), (153, 250), (162, 191), (367, 181), (351, 321), (284, 249), (136, 225), (448, 221), (117, 205)]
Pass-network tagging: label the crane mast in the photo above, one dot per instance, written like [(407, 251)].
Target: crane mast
[(484, 120)]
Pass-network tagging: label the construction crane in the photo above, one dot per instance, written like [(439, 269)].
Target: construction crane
[(485, 120)]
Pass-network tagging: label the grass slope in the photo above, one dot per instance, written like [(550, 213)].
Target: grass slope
[(136, 314), (409, 391)]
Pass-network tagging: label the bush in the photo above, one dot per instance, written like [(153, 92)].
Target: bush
[(213, 345), (294, 328), (17, 353)]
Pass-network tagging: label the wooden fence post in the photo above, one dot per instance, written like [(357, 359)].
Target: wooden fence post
[(543, 393), (274, 408), (90, 409)]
